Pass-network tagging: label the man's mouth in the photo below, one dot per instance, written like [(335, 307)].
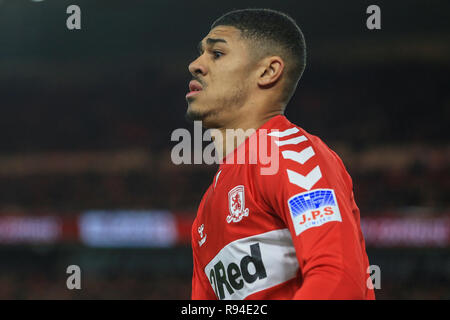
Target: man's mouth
[(194, 88)]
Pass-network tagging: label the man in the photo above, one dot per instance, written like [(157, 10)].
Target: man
[(292, 234)]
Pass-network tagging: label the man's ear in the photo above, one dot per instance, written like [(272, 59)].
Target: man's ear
[(270, 71)]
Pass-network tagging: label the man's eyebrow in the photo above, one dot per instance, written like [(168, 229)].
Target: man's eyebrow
[(210, 41)]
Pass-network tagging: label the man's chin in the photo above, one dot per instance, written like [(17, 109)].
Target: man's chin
[(194, 115), (206, 117)]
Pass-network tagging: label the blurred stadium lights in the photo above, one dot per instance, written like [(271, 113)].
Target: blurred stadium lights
[(123, 228), (151, 228)]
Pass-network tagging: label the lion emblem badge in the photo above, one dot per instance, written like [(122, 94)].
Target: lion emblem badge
[(236, 204)]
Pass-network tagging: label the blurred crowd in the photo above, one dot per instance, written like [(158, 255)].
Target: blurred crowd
[(156, 183), (33, 284)]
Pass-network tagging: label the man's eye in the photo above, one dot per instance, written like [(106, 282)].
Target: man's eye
[(217, 54)]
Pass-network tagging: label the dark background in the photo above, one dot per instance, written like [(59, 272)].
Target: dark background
[(87, 115)]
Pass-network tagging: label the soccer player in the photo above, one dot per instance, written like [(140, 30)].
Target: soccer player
[(291, 234)]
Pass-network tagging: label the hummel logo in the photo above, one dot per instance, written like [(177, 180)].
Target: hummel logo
[(203, 238)]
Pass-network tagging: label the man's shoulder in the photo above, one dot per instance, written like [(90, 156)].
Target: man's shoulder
[(290, 136), (301, 153)]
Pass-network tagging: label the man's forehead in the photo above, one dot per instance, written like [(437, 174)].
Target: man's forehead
[(227, 33)]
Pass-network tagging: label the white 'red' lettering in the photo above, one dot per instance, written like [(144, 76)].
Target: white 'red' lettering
[(248, 265)]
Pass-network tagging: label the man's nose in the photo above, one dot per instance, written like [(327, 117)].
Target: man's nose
[(196, 67)]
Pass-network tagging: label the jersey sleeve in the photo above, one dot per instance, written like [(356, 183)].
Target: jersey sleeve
[(199, 290), (312, 194)]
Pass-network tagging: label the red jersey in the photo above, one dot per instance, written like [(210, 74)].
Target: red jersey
[(292, 234)]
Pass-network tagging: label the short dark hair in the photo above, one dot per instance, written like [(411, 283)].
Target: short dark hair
[(273, 33)]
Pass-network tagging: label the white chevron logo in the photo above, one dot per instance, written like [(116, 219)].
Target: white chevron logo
[(281, 134), (300, 157), (305, 182), (295, 140)]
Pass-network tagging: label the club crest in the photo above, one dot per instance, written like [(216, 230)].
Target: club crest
[(236, 204)]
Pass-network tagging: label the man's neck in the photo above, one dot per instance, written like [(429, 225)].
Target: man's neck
[(228, 138)]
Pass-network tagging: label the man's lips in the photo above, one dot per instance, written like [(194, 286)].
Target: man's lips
[(194, 88), (192, 93), (194, 85)]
